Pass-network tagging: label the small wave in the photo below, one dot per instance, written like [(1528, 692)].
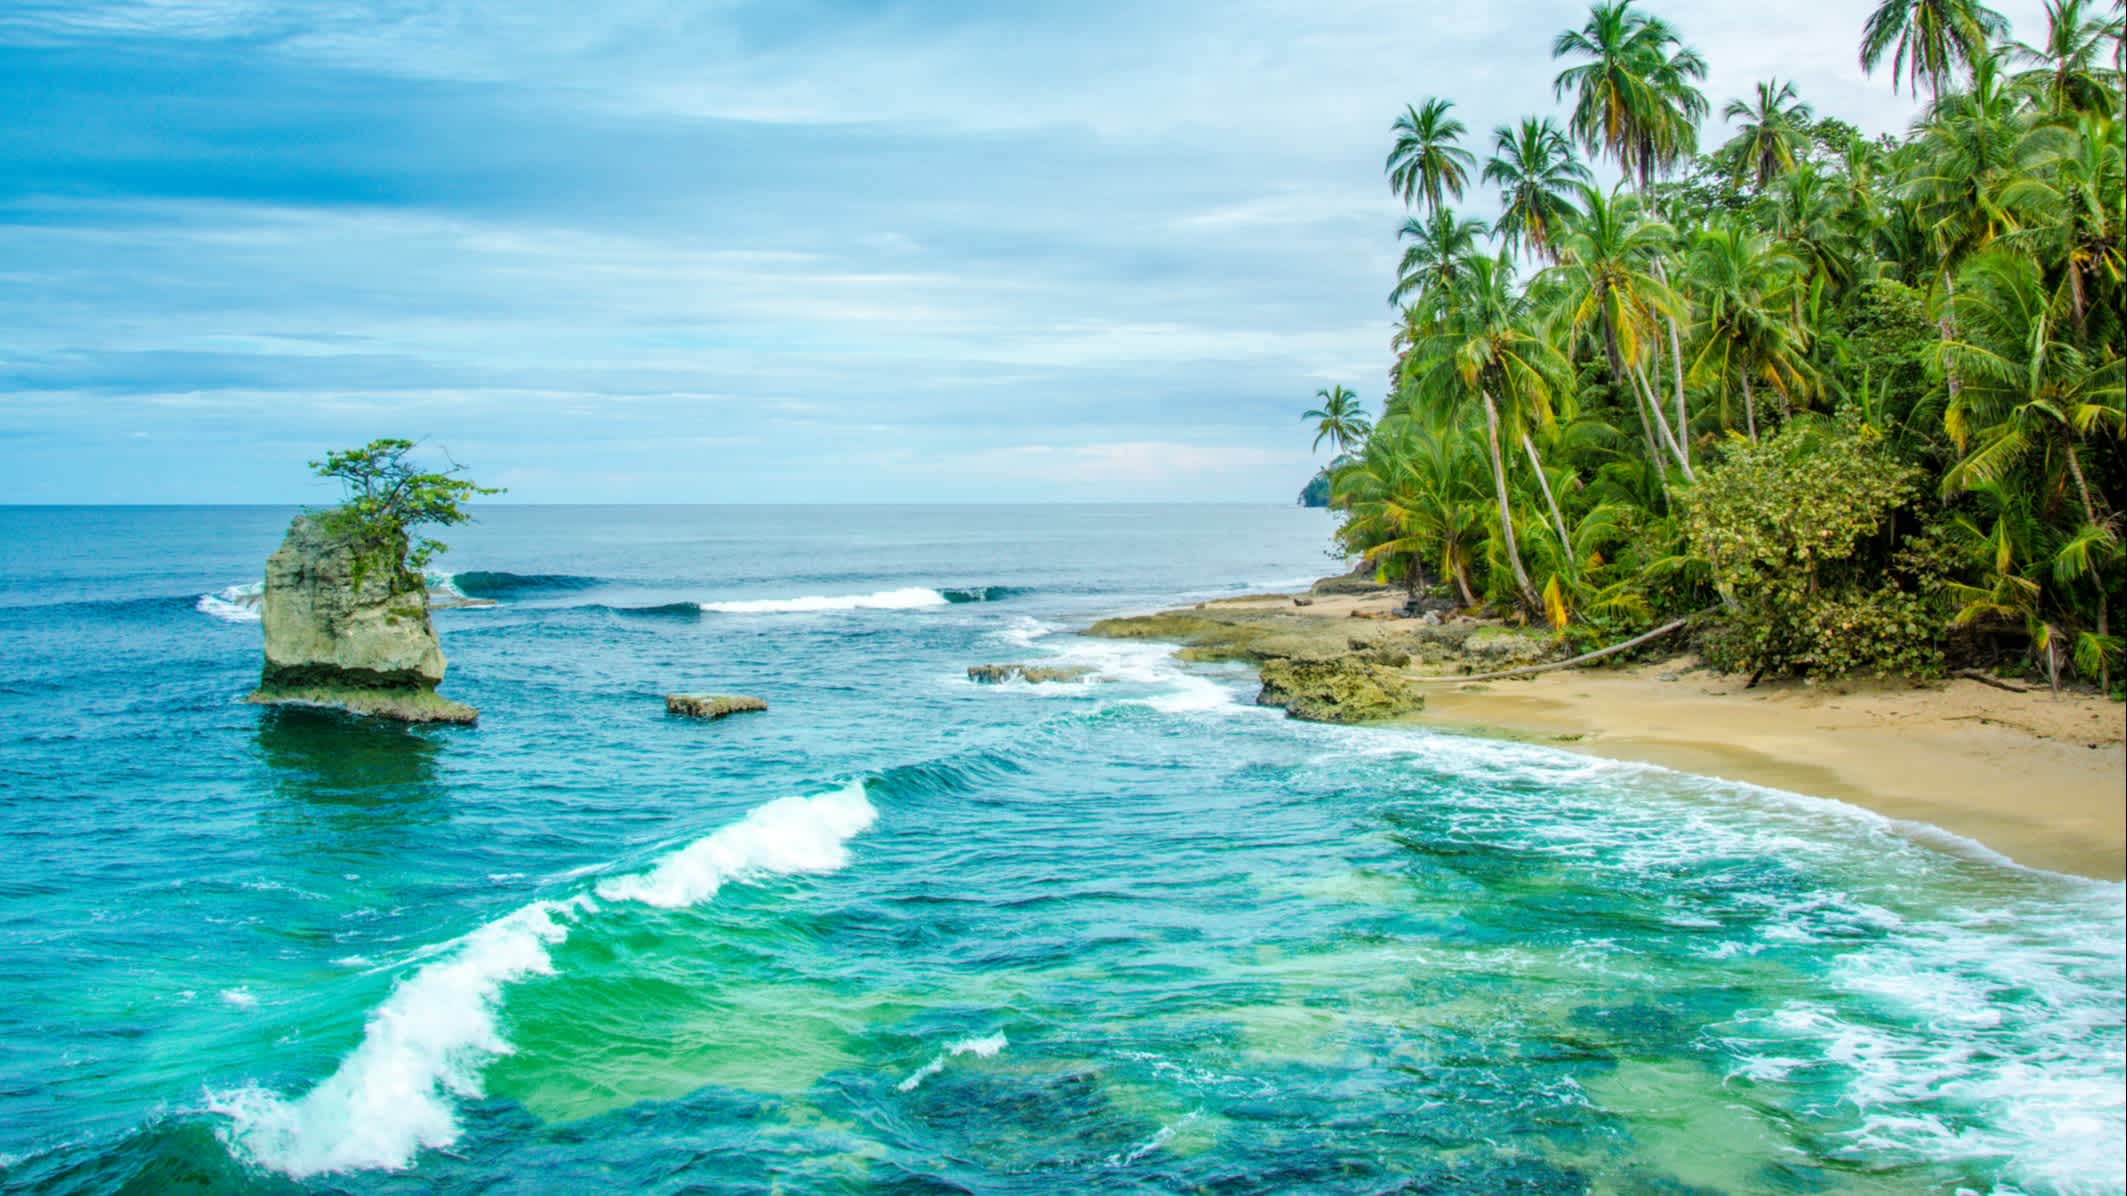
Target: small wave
[(233, 604), (909, 598), (967, 594), (485, 583), (427, 1046), (663, 610), (982, 1048)]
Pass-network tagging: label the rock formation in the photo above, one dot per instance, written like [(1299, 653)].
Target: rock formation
[(711, 705), (349, 632), (991, 674), (1343, 690)]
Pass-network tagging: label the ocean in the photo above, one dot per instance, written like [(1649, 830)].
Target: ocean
[(904, 933)]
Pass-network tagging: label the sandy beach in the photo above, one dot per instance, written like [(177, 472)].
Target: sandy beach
[(2036, 776)]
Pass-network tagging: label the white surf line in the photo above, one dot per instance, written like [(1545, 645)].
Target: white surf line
[(908, 598), (427, 1045), (982, 1048)]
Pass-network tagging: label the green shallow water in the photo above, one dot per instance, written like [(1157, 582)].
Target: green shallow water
[(908, 934)]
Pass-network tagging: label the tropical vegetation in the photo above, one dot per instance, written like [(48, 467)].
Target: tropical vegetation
[(386, 496), (1859, 401)]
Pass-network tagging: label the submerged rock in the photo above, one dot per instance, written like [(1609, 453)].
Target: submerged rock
[(1032, 673), (1342, 690), (711, 705), (350, 633)]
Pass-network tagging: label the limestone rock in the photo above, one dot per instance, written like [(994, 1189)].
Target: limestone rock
[(711, 705), (343, 632), (1341, 690), (1031, 673)]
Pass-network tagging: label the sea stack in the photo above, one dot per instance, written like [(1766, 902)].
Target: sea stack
[(350, 632)]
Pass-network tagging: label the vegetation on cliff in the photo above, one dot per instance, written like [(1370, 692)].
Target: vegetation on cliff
[(387, 496), (1866, 394)]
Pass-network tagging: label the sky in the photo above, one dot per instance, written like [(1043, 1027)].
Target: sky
[(736, 251)]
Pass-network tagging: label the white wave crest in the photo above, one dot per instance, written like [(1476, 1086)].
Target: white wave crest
[(910, 598), (985, 1047), (233, 604), (428, 1044), (787, 836)]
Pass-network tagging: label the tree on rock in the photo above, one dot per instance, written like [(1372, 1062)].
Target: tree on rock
[(388, 496)]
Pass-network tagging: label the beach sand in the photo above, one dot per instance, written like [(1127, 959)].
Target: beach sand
[(2037, 777)]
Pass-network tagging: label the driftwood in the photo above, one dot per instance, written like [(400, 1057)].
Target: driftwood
[(1598, 654), (1996, 682)]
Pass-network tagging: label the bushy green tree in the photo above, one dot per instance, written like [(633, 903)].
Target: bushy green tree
[(387, 497)]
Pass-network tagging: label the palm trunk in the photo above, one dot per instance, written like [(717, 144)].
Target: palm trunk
[(1750, 408), (2082, 487), (1506, 510), (1558, 521), (1947, 326), (1653, 399), (1676, 369), (1620, 377), (1462, 582)]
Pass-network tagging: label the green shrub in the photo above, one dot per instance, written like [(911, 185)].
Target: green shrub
[(1798, 534)]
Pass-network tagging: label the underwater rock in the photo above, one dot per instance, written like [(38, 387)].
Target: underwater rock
[(711, 705), (1032, 673), (1342, 690), (346, 632)]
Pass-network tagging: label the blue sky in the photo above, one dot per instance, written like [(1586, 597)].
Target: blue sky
[(654, 251)]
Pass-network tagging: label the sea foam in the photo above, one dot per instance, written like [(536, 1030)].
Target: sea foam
[(233, 604), (426, 1046), (908, 598), (985, 1047)]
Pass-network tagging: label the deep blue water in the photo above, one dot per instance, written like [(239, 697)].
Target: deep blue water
[(904, 933)]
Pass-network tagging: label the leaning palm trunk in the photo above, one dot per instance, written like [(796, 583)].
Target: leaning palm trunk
[(1621, 377), (1506, 511), (1682, 437), (1750, 408), (1653, 399), (1558, 521)]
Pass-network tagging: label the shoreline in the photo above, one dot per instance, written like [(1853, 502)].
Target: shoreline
[(2037, 778)]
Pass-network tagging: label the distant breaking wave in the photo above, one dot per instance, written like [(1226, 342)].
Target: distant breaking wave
[(240, 603), (426, 1046), (911, 598), (233, 604)]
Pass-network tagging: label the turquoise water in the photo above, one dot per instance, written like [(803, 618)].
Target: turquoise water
[(908, 934)]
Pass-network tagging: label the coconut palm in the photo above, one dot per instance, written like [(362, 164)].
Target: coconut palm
[(1634, 98), (1928, 39), (1535, 168), (1428, 163), (1772, 130), (2030, 392), (1416, 492), (1486, 350), (1748, 333), (1340, 420), (2065, 200), (1433, 259), (2065, 62), (1605, 283)]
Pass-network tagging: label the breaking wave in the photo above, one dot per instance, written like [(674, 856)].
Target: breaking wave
[(427, 1045), (909, 598)]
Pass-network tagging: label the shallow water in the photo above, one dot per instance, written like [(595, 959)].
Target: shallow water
[(904, 933)]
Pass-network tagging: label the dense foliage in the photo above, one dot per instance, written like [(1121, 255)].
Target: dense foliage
[(387, 496), (1866, 396)]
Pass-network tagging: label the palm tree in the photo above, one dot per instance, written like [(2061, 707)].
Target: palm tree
[(1769, 133), (1634, 97), (1748, 334), (1416, 491), (2064, 64), (1605, 281), (1486, 349), (1534, 166), (1340, 420), (2029, 390), (1433, 260), (1928, 39), (1428, 163), (2065, 200)]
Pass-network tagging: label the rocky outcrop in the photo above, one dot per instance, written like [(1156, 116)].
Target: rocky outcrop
[(349, 631), (711, 705), (1342, 690), (991, 674)]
